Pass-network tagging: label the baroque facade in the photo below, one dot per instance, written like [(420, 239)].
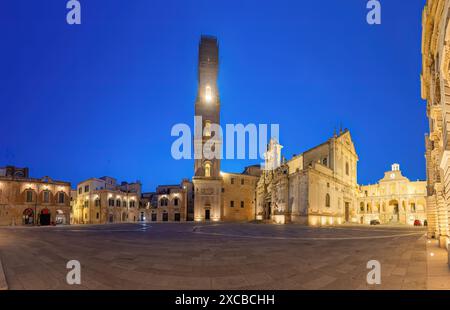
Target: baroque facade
[(30, 201), (317, 187), (102, 200), (394, 199), (436, 91)]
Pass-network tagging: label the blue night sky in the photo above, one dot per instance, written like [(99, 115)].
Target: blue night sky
[(101, 98)]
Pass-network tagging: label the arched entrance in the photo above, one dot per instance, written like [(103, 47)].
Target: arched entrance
[(44, 217), (28, 217), (394, 207), (60, 217)]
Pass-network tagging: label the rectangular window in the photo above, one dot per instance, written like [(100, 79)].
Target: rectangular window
[(86, 204), (242, 181), (111, 202), (86, 189), (80, 190), (29, 196), (231, 204), (46, 197), (97, 202), (242, 204), (232, 180), (61, 198), (124, 203), (132, 204), (118, 203)]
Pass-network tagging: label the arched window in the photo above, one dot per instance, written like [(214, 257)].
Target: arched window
[(97, 202), (175, 202), (61, 197), (208, 93), (46, 196), (347, 169), (361, 206), (117, 203), (207, 170), (164, 202), (327, 200), (29, 195)]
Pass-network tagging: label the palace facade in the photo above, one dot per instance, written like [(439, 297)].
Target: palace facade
[(436, 91), (102, 200), (30, 201)]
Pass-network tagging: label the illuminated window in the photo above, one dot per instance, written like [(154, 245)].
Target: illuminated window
[(208, 93), (207, 170)]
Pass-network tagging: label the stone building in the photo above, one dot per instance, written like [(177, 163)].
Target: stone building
[(317, 187), (394, 199), (168, 204), (100, 201), (239, 195), (30, 201), (436, 91)]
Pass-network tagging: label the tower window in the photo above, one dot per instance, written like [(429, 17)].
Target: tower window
[(208, 93), (207, 170)]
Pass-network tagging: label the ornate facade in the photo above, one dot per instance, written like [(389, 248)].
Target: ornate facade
[(394, 199), (317, 187), (436, 91), (30, 201), (101, 201)]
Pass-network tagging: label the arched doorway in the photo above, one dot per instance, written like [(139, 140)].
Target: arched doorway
[(28, 217), (394, 208), (44, 217), (60, 217)]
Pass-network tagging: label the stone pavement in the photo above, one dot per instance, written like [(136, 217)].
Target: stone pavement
[(215, 256)]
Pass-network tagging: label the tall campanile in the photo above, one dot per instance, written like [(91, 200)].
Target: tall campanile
[(207, 180)]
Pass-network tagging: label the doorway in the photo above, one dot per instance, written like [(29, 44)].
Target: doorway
[(44, 218), (165, 217), (207, 215), (177, 217), (28, 217)]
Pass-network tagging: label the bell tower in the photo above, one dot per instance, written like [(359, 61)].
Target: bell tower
[(207, 179), (207, 106)]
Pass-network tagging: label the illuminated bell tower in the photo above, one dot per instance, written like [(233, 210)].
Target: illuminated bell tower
[(207, 180), (207, 104)]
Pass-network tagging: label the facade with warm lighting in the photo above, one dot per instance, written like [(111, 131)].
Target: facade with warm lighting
[(100, 201), (30, 201), (168, 204), (436, 91), (394, 199), (317, 187)]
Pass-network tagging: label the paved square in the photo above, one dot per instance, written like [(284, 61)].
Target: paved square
[(214, 256)]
